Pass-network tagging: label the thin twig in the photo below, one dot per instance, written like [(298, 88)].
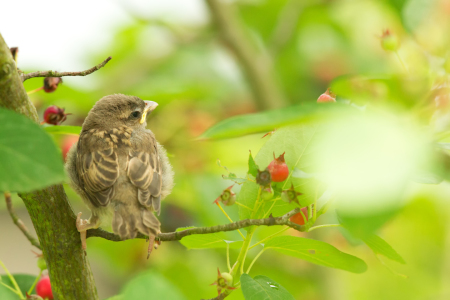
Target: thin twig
[(178, 235), (61, 74), (19, 222)]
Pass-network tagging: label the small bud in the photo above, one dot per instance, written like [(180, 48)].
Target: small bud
[(51, 84), (389, 41), (267, 193), (54, 115), (42, 265), (290, 195), (328, 96), (263, 178), (224, 282), (228, 197)]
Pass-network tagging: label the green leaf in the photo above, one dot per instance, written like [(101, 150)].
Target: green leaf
[(263, 288), (316, 252), (211, 240), (24, 281), (252, 167), (247, 196), (380, 246), (62, 129), (29, 159), (151, 285), (269, 120)]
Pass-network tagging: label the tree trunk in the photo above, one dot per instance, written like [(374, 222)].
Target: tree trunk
[(49, 209)]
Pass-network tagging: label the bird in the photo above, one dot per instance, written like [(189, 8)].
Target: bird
[(119, 169)]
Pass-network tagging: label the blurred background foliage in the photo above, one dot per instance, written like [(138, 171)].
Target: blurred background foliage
[(303, 47)]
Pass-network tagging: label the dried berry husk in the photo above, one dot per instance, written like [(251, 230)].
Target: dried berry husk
[(263, 178)]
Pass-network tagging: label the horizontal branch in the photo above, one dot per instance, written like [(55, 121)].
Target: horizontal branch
[(61, 74), (178, 235), (19, 222)]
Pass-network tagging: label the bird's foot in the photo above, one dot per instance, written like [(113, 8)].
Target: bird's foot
[(83, 225), (152, 244)]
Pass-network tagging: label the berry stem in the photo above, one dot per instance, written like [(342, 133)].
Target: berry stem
[(245, 206), (254, 260), (401, 61), (228, 217), (268, 237), (34, 283), (324, 226), (35, 90), (16, 286), (228, 258)]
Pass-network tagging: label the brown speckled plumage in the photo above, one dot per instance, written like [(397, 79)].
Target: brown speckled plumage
[(119, 168)]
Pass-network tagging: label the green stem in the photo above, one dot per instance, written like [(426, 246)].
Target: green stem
[(16, 286), (228, 258), (10, 288), (269, 237), (34, 283), (324, 226), (245, 206), (254, 260), (239, 265)]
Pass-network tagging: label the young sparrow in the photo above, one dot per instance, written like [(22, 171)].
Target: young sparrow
[(119, 169)]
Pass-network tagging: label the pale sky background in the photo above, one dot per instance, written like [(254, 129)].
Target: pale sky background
[(59, 35)]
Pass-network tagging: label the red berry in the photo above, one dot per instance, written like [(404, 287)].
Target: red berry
[(328, 96), (298, 217), (54, 115), (278, 169), (43, 288), (51, 84)]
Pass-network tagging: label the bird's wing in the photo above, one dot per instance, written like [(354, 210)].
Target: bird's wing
[(144, 171), (98, 170)]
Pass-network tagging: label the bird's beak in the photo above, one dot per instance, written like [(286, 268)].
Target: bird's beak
[(149, 107)]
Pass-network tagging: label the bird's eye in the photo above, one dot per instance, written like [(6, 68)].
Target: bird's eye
[(135, 114)]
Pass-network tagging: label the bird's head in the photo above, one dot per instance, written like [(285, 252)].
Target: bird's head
[(119, 110)]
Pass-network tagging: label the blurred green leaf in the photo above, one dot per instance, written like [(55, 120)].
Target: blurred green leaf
[(380, 246), (151, 285), (29, 159), (62, 129), (316, 252), (211, 240), (252, 167), (263, 288), (24, 281), (269, 120)]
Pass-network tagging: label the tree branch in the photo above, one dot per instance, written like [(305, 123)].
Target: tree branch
[(61, 74), (178, 235), (19, 222), (256, 63)]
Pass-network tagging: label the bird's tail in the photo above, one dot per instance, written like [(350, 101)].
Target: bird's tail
[(127, 222)]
